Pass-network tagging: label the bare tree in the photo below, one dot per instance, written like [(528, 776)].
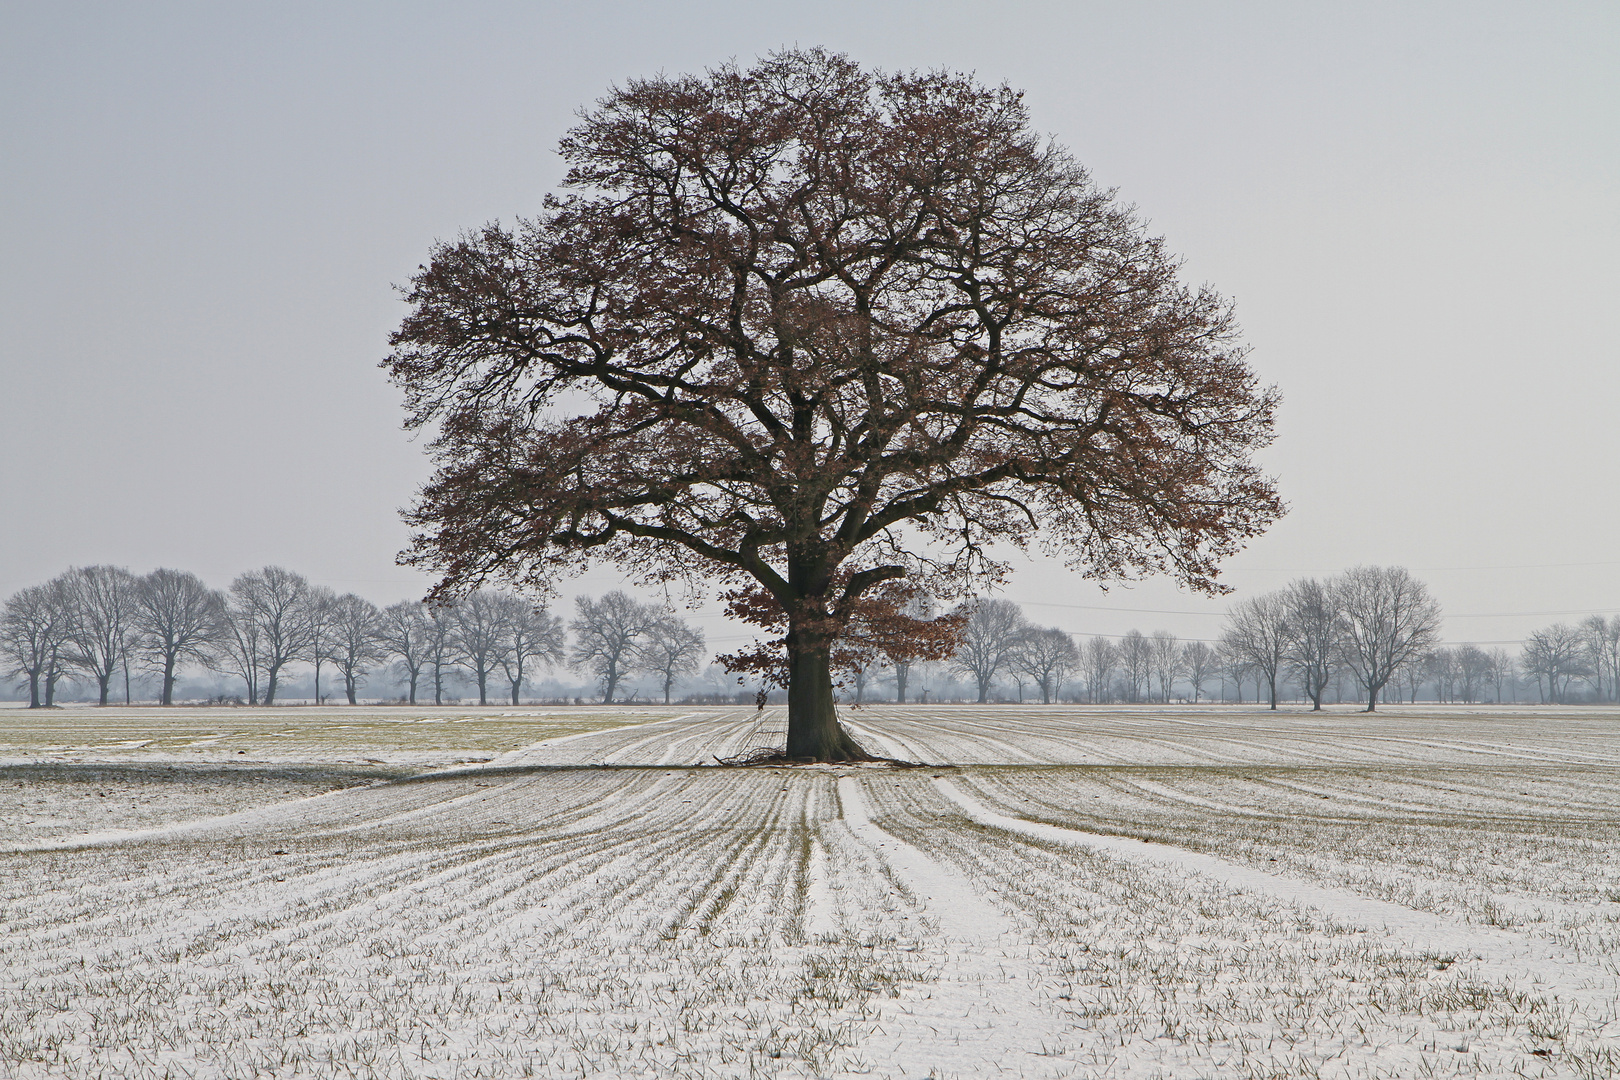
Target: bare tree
[(34, 636), (320, 614), (990, 637), (1257, 635), (1046, 655), (1411, 675), (241, 649), (1601, 639), (1099, 659), (1166, 661), (1200, 662), (919, 608), (1313, 639), (606, 633), (439, 621), (481, 636), (902, 676), (100, 603), (1440, 666), (403, 631), (859, 664), (355, 640), (1389, 620), (1233, 665), (275, 603), (533, 635), (1503, 670), (1555, 656), (1136, 664), (841, 329), (673, 649), (176, 619), (1473, 671)]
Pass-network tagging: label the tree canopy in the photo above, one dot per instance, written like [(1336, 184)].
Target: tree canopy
[(824, 338)]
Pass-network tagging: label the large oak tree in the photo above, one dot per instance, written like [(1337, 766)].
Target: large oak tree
[(825, 337)]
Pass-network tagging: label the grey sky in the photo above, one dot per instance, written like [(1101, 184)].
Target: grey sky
[(1415, 207)]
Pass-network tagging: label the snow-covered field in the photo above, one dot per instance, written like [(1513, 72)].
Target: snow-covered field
[(574, 892)]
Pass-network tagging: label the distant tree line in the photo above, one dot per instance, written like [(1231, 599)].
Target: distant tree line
[(99, 624), (1380, 627), (1371, 633)]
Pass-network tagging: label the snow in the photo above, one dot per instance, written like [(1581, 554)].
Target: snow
[(1496, 955), (1123, 893)]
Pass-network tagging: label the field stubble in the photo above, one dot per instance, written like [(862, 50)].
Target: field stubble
[(601, 902)]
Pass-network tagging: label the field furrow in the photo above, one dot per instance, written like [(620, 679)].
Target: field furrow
[(1331, 895)]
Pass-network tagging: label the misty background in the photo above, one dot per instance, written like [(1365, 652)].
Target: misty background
[(204, 209)]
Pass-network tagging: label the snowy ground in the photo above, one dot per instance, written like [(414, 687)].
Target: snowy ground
[(573, 892)]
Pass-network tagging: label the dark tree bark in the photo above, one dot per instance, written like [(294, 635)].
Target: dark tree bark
[(844, 331)]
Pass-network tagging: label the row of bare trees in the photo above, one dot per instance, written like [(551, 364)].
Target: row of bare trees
[(998, 642), (1376, 622), (1376, 625), (1380, 625), (98, 622), (1561, 655)]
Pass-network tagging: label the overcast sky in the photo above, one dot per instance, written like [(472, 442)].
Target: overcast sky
[(1415, 207)]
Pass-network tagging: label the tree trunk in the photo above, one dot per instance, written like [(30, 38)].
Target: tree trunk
[(515, 683), (105, 680), (33, 688), (901, 671), (1273, 683), (813, 731), (168, 678), (348, 688), (52, 674)]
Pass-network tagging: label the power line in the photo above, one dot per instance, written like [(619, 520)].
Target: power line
[(1222, 614), (1419, 569)]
